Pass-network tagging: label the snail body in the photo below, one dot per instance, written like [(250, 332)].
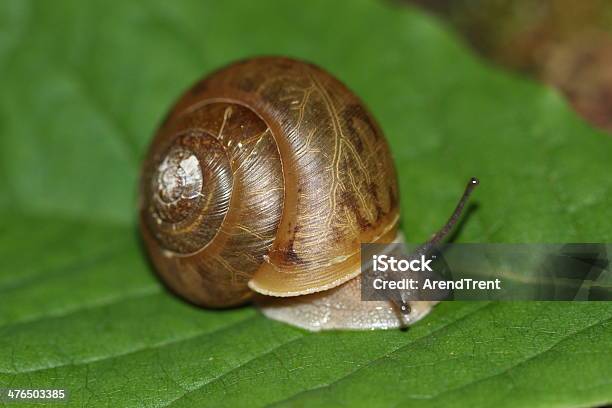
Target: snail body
[(264, 179)]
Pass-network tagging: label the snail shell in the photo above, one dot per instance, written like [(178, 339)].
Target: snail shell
[(265, 177)]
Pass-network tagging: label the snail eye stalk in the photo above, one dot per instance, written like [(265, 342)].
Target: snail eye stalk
[(403, 304)]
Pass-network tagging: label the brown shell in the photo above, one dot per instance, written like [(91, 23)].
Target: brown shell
[(268, 173)]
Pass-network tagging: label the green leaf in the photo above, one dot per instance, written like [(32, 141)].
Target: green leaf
[(84, 85)]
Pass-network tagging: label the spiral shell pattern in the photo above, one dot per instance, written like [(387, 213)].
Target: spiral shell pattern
[(265, 176), (213, 198)]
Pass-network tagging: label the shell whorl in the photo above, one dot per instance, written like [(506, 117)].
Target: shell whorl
[(213, 197), (190, 192)]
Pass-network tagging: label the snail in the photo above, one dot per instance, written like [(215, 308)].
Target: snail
[(260, 184)]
